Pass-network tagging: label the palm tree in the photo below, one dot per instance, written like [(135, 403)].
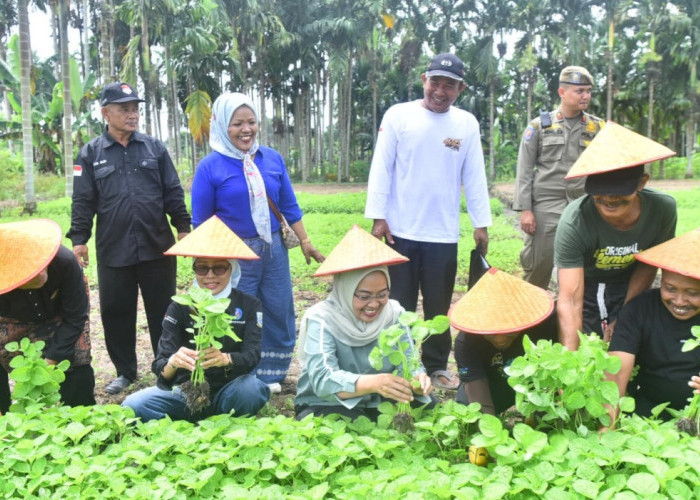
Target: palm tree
[(67, 102), (25, 84), (8, 19)]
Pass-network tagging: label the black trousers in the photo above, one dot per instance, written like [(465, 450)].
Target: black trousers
[(432, 270), (119, 288), (78, 388)]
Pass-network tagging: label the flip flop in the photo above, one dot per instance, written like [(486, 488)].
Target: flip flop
[(435, 380)]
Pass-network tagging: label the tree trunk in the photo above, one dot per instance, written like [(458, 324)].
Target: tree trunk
[(6, 100), (492, 135), (348, 117), (67, 103), (689, 145), (611, 56), (105, 39), (85, 38), (263, 112), (149, 105), (330, 154), (25, 70), (531, 76), (300, 119)]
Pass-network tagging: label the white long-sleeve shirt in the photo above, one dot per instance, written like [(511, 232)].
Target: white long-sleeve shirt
[(421, 161)]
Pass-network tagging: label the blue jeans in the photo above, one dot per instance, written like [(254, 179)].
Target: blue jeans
[(244, 395), (269, 280)]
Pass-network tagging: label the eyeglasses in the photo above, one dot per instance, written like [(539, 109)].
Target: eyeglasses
[(218, 269), (365, 297)]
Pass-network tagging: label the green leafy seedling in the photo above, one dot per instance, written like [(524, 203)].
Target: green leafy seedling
[(37, 383), (211, 322), (565, 389), (690, 421), (399, 344)]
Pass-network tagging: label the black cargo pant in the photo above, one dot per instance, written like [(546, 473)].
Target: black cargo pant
[(119, 288)]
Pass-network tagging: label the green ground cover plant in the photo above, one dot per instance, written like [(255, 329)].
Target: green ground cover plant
[(104, 452)]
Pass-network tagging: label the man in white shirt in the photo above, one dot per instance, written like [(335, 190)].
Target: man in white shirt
[(426, 150)]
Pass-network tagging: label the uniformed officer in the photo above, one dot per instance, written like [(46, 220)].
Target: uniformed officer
[(129, 181), (550, 145)]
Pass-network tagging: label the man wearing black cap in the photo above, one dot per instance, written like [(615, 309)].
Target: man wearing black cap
[(595, 246), (129, 181), (426, 150), (549, 147)]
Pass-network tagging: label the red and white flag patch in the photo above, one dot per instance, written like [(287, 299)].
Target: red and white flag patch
[(77, 170)]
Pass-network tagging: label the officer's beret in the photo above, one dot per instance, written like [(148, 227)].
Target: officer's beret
[(575, 75)]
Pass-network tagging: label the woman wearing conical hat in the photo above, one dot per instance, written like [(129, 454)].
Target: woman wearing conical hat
[(653, 327), (338, 334), (227, 370), (43, 296), (490, 335), (246, 185), (599, 234)]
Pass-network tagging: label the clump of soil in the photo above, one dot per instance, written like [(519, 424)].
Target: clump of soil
[(196, 395), (687, 425), (403, 422)]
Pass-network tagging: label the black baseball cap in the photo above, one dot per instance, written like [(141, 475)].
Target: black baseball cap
[(448, 65), (621, 182), (118, 92)]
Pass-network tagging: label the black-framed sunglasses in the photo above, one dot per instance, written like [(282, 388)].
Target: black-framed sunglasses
[(217, 269)]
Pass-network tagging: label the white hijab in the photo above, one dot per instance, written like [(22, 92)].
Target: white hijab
[(338, 315), (221, 113), (235, 277)]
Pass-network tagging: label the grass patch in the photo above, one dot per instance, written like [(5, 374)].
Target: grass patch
[(328, 217)]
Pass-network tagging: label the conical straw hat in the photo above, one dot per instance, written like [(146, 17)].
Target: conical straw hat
[(212, 239), (26, 248), (614, 148), (500, 303), (357, 250), (679, 255)]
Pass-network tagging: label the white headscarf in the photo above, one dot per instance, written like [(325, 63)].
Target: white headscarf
[(339, 317), (235, 277), (222, 111)]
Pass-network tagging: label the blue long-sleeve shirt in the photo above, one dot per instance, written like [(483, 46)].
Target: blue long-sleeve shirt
[(219, 187)]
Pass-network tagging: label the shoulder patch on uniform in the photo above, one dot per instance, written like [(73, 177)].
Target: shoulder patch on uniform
[(259, 318), (170, 319), (591, 126), (77, 170), (529, 131)]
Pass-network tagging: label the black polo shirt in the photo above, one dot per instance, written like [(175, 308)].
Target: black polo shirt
[(131, 190)]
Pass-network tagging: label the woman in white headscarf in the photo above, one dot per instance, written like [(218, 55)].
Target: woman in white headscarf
[(337, 336), (235, 182)]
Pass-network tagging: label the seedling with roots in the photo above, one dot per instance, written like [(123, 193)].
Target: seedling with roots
[(211, 322), (400, 344), (690, 421)]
